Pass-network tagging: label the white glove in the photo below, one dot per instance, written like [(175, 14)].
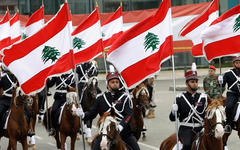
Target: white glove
[(174, 108), (220, 79), (78, 111), (120, 128)]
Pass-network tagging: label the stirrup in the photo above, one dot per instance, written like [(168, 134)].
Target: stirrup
[(52, 132)]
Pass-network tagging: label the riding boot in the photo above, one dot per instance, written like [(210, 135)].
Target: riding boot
[(229, 120), (52, 131)]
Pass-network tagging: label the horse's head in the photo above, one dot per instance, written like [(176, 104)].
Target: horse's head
[(71, 99), (108, 129), (92, 86), (20, 98), (215, 117), (141, 94)]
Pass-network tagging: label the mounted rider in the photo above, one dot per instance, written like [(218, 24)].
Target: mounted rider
[(122, 104), (63, 84), (232, 79), (7, 84), (190, 107), (85, 71)]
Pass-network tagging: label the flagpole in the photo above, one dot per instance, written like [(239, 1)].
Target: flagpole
[(105, 62), (174, 93), (220, 69), (46, 101)]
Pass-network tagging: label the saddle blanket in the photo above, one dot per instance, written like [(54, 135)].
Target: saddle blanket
[(6, 122), (60, 116), (237, 113)]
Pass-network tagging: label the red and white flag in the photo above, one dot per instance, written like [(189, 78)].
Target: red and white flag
[(139, 52), (34, 23), (87, 39), (112, 28), (15, 28), (193, 28), (222, 37), (46, 53), (5, 38)]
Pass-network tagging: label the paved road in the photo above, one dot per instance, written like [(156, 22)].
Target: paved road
[(158, 128)]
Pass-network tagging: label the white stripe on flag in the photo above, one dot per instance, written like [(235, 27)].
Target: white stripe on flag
[(38, 65), (90, 36), (15, 30), (33, 28), (5, 30), (162, 30), (112, 28)]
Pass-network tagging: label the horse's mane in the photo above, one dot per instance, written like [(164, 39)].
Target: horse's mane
[(102, 118), (215, 103)]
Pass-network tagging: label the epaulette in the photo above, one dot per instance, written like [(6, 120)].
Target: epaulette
[(227, 71), (179, 95), (98, 95)]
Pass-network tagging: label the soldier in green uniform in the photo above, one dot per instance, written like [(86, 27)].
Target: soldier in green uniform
[(211, 85)]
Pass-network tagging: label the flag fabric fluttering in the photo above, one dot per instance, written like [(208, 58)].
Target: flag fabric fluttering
[(87, 39), (46, 53), (222, 37), (15, 28), (5, 38), (193, 28), (34, 23), (112, 28), (139, 52)]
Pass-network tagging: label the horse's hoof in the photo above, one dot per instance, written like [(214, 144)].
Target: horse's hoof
[(30, 144), (89, 141), (144, 138), (34, 147)]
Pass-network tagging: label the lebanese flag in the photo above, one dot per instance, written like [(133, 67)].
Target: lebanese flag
[(34, 23), (5, 38), (112, 28), (87, 39), (46, 53), (193, 28), (139, 52), (222, 37), (15, 28)]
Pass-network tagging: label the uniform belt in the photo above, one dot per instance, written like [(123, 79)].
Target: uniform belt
[(7, 95), (190, 124), (61, 91)]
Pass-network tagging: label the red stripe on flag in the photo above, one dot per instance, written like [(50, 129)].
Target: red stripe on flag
[(91, 20), (115, 16), (14, 19), (143, 26), (148, 65), (5, 18), (5, 43), (36, 16), (222, 48), (197, 21), (38, 80), (109, 41), (20, 50), (89, 53), (233, 11), (197, 50), (16, 39)]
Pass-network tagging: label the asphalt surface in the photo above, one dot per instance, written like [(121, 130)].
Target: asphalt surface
[(158, 128)]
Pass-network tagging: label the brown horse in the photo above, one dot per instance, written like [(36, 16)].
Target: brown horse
[(32, 105), (211, 138), (17, 127), (107, 128), (69, 123), (140, 99)]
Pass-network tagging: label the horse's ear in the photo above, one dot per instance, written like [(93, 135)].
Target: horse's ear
[(112, 112)]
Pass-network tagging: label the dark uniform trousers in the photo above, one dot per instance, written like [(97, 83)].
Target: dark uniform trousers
[(232, 99), (5, 103)]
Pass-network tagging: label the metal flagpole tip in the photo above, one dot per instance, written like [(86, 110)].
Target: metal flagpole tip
[(194, 67), (111, 69)]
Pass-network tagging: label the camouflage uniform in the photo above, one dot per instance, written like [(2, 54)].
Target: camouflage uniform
[(211, 86)]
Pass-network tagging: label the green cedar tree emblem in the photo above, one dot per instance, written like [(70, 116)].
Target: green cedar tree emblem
[(103, 35), (50, 53), (236, 26), (151, 41), (77, 42), (24, 36)]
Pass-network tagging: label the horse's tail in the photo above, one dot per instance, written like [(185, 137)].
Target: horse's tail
[(46, 123)]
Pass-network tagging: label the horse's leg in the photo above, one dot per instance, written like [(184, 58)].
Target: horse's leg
[(73, 140), (24, 144), (57, 140), (12, 144), (63, 141)]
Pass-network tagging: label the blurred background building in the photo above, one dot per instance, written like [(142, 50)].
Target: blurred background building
[(27, 7)]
